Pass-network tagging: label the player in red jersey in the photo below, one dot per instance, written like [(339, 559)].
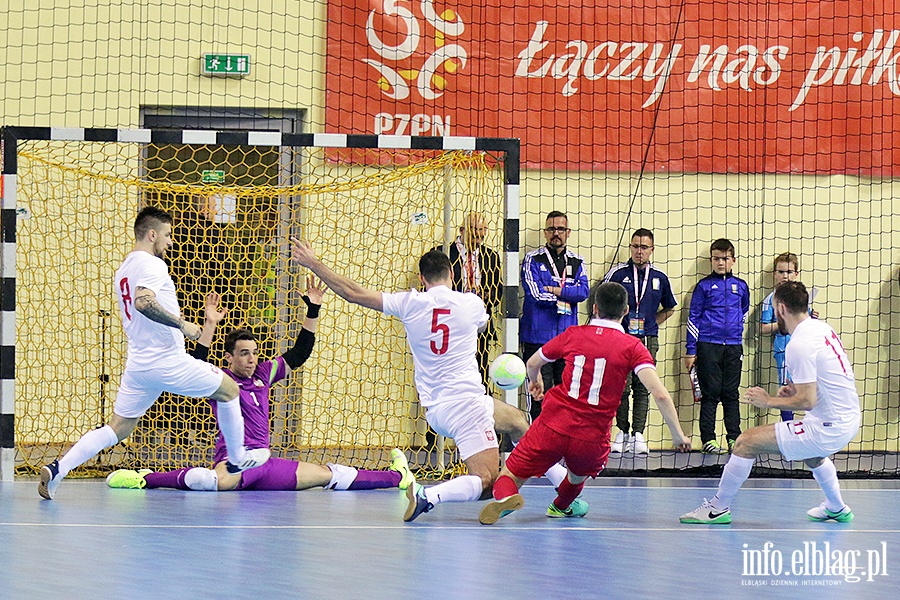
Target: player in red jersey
[(577, 415)]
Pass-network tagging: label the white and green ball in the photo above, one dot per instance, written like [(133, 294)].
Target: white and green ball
[(507, 371)]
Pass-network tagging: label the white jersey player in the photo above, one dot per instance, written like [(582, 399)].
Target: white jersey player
[(157, 361), (821, 384), (442, 327)]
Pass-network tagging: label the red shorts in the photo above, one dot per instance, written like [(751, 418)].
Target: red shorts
[(542, 447)]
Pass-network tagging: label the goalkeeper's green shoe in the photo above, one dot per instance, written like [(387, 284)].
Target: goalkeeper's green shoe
[(578, 508), (127, 479), (400, 464)]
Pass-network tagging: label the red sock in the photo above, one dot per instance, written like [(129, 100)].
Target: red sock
[(567, 492), (504, 487)]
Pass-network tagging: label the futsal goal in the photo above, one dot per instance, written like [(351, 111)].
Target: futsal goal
[(371, 205)]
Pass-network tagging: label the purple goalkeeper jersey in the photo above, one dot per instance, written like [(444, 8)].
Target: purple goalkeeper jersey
[(254, 405)]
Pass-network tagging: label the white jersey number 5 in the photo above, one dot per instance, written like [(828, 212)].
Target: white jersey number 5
[(441, 328)]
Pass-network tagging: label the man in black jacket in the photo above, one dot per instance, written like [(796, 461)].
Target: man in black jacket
[(476, 269)]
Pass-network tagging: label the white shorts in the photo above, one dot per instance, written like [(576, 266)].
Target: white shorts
[(138, 390), (801, 439), (469, 421)]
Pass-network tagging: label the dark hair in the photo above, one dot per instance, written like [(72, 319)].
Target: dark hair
[(794, 297), (434, 266), (236, 335), (149, 218), (788, 257), (555, 214), (722, 245), (642, 232), (608, 300)]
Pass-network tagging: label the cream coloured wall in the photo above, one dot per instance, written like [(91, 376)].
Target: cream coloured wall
[(72, 63)]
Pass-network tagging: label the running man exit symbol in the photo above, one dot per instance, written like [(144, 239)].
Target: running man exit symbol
[(226, 64)]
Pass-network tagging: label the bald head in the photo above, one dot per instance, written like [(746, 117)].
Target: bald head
[(473, 230)]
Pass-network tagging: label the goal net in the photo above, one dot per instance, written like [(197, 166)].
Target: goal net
[(370, 213)]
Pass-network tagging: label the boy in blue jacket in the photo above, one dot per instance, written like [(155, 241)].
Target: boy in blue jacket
[(715, 332)]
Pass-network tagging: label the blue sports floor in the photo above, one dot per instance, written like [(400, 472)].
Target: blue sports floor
[(95, 542)]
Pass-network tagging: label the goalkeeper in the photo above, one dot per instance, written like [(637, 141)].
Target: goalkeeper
[(255, 381)]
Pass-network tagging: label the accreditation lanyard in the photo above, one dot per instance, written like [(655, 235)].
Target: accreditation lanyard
[(562, 278), (638, 298), (635, 321), (562, 307), (470, 266)]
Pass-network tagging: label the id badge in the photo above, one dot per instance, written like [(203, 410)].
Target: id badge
[(635, 325), (563, 307)]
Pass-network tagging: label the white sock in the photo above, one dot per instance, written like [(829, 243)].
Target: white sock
[(87, 447), (556, 474), (202, 480), (826, 476), (465, 488), (231, 422), (736, 472), (341, 476)]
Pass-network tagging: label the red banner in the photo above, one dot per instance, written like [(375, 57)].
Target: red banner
[(693, 86)]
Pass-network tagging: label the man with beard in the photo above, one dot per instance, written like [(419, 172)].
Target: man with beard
[(157, 361), (555, 281), (822, 384)]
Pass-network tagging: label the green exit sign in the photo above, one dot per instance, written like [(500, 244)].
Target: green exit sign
[(226, 64), (213, 176)]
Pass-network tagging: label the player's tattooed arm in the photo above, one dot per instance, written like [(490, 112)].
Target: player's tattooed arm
[(146, 303)]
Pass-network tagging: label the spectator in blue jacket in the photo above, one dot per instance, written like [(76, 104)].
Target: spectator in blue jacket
[(650, 302), (555, 281), (715, 332)]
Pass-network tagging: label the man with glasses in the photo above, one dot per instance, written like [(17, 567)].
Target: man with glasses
[(650, 302), (787, 268), (555, 281), (715, 337)]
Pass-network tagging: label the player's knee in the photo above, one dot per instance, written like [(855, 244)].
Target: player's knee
[(202, 480), (744, 447), (511, 421), (521, 426), (814, 463)]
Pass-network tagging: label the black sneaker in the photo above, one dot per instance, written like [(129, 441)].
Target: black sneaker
[(713, 447), (50, 480)]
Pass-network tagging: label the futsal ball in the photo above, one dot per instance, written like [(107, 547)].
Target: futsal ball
[(507, 371)]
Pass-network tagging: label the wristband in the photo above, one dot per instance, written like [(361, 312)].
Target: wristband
[(312, 310)]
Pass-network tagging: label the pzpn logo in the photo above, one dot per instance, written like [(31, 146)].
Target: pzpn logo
[(416, 51)]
